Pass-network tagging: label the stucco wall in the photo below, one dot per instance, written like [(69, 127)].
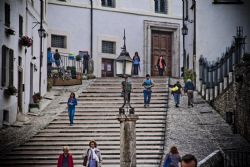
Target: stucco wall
[(109, 24)]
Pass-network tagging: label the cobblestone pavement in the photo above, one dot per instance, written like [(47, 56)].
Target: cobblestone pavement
[(53, 103), (199, 130)]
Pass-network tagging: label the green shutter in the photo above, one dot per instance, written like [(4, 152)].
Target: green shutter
[(11, 67), (3, 68)]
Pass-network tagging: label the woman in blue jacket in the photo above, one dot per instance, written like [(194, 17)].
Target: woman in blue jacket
[(72, 102)]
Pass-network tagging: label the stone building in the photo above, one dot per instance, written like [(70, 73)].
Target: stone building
[(153, 28), (20, 65)]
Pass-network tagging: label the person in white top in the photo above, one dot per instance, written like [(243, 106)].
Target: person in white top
[(94, 155)]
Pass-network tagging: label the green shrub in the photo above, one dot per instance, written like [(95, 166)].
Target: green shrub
[(189, 74)]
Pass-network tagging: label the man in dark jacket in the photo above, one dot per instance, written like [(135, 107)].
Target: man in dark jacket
[(189, 89)]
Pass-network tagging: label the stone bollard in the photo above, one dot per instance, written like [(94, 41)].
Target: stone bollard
[(127, 139)]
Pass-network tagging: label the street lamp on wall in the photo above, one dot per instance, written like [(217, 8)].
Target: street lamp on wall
[(184, 30), (42, 32)]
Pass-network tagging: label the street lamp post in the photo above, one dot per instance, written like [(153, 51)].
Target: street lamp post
[(126, 116), (42, 34)]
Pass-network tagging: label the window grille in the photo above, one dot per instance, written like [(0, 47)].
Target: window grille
[(108, 47), (108, 3), (161, 6), (58, 41)]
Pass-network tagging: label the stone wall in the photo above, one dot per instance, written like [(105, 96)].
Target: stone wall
[(242, 81), (225, 102), (236, 99)]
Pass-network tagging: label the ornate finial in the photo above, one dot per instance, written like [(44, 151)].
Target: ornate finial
[(124, 41)]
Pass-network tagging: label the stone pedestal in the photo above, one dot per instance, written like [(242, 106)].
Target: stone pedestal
[(215, 91), (225, 82), (127, 139)]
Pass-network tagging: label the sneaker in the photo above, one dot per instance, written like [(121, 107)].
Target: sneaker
[(176, 106), (145, 105)]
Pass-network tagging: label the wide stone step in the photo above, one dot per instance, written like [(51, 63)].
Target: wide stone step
[(106, 121), (82, 116), (90, 114), (96, 130), (118, 94), (85, 98), (107, 126), (90, 134), (117, 105), (84, 147), (120, 101), (119, 91)]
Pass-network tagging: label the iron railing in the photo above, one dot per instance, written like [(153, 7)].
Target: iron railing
[(237, 158), (216, 76)]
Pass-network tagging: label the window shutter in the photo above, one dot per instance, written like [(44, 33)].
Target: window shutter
[(11, 67), (3, 69), (20, 26), (7, 14)]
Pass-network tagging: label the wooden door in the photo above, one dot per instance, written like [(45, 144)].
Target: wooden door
[(107, 68), (161, 45)]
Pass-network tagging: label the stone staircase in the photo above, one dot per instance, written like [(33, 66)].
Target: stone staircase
[(95, 118)]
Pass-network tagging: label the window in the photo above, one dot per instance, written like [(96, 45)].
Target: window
[(7, 14), (108, 3), (228, 2), (58, 41), (161, 6), (7, 68), (108, 47), (20, 26)]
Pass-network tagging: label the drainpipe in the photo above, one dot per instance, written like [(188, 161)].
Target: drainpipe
[(41, 47), (91, 28), (194, 42), (183, 36)]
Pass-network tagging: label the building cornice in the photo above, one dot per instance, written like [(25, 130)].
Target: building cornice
[(114, 10)]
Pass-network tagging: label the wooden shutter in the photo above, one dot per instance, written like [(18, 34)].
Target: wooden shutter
[(7, 14), (20, 26), (11, 67), (3, 68)]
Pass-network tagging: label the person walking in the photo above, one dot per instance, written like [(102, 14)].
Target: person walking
[(57, 58), (136, 63), (161, 64), (49, 61), (172, 159), (189, 160), (65, 159), (189, 89), (93, 154), (148, 84), (85, 63), (72, 102), (176, 91)]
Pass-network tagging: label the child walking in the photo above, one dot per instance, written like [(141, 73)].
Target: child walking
[(72, 102)]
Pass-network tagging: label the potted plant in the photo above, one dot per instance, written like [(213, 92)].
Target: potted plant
[(36, 97), (78, 58), (10, 91), (25, 41)]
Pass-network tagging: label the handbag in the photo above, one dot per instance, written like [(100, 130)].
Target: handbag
[(167, 162), (85, 159)]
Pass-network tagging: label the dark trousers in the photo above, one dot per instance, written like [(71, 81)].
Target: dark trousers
[(136, 68), (190, 94), (85, 67), (147, 96), (161, 70)]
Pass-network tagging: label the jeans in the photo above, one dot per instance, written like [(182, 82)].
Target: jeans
[(136, 67), (71, 115), (161, 70), (177, 98), (190, 94), (147, 96)]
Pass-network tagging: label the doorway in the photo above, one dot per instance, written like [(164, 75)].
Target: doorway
[(107, 68), (161, 46)]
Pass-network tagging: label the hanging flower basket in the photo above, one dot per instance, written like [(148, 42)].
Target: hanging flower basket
[(25, 41), (36, 97), (10, 91)]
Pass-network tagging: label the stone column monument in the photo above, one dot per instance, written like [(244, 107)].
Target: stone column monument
[(127, 139)]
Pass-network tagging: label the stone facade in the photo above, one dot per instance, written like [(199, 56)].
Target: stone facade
[(236, 99), (242, 114)]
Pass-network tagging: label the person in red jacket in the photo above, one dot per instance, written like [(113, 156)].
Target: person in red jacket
[(65, 159)]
